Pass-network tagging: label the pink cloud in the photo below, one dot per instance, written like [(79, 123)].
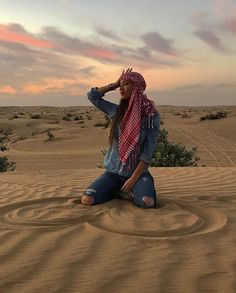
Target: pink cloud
[(101, 53), (7, 90), (6, 34), (230, 24), (223, 8)]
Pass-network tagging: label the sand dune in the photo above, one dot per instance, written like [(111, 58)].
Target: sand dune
[(50, 242)]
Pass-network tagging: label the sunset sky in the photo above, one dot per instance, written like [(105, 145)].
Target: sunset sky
[(53, 51)]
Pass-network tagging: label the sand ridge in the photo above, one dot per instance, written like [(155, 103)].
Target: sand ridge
[(50, 242)]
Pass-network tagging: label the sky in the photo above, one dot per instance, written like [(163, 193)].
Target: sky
[(53, 51)]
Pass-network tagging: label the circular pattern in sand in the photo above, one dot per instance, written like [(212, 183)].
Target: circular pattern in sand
[(176, 218), (43, 213)]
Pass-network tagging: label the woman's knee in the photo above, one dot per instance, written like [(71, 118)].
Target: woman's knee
[(87, 200), (146, 202)]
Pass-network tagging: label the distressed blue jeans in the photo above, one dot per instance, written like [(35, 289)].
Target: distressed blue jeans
[(107, 186)]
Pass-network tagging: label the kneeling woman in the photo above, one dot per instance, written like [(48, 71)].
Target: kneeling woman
[(134, 132)]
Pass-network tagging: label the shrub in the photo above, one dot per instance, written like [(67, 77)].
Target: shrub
[(107, 123), (5, 165), (66, 118), (50, 135), (104, 124), (168, 154), (35, 132), (185, 115), (98, 124), (78, 117), (5, 132), (211, 116), (35, 116)]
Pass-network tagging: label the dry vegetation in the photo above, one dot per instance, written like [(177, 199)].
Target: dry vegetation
[(77, 134)]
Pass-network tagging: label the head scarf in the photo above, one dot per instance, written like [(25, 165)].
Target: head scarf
[(139, 106)]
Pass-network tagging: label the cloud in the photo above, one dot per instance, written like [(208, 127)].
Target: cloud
[(49, 61), (107, 33), (7, 90), (224, 8), (18, 64), (210, 38), (77, 46), (156, 42), (16, 34), (196, 95), (87, 70), (229, 24)]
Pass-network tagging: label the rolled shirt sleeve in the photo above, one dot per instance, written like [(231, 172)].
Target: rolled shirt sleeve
[(150, 141), (96, 99)]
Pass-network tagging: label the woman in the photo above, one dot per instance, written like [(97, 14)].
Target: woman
[(134, 131)]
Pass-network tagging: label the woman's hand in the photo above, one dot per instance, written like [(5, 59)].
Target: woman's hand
[(128, 185), (117, 83)]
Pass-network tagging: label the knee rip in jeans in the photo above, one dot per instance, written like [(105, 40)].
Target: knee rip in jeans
[(149, 201), (87, 199)]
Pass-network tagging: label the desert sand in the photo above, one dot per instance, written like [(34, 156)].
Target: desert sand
[(49, 242)]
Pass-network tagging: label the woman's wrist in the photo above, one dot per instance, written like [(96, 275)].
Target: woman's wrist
[(112, 86)]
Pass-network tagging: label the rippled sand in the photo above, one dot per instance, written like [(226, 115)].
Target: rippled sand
[(52, 243), (49, 242)]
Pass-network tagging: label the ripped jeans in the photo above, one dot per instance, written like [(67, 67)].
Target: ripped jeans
[(107, 186)]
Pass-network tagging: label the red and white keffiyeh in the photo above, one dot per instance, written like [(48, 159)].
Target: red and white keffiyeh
[(130, 127)]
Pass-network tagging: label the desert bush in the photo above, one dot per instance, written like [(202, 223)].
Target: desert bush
[(35, 132), (185, 115), (66, 118), (5, 131), (104, 124), (5, 165), (54, 122), (107, 123), (69, 115), (28, 124), (78, 117), (99, 124), (167, 154), (35, 116), (50, 135), (213, 116)]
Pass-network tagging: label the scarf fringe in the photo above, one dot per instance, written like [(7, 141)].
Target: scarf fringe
[(136, 152)]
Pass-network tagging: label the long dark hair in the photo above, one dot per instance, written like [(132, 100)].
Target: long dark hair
[(123, 106)]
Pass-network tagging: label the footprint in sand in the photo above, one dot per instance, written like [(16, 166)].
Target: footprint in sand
[(176, 218)]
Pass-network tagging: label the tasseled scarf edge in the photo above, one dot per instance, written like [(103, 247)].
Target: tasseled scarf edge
[(136, 152)]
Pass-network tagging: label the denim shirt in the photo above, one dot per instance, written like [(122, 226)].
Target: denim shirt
[(147, 140)]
